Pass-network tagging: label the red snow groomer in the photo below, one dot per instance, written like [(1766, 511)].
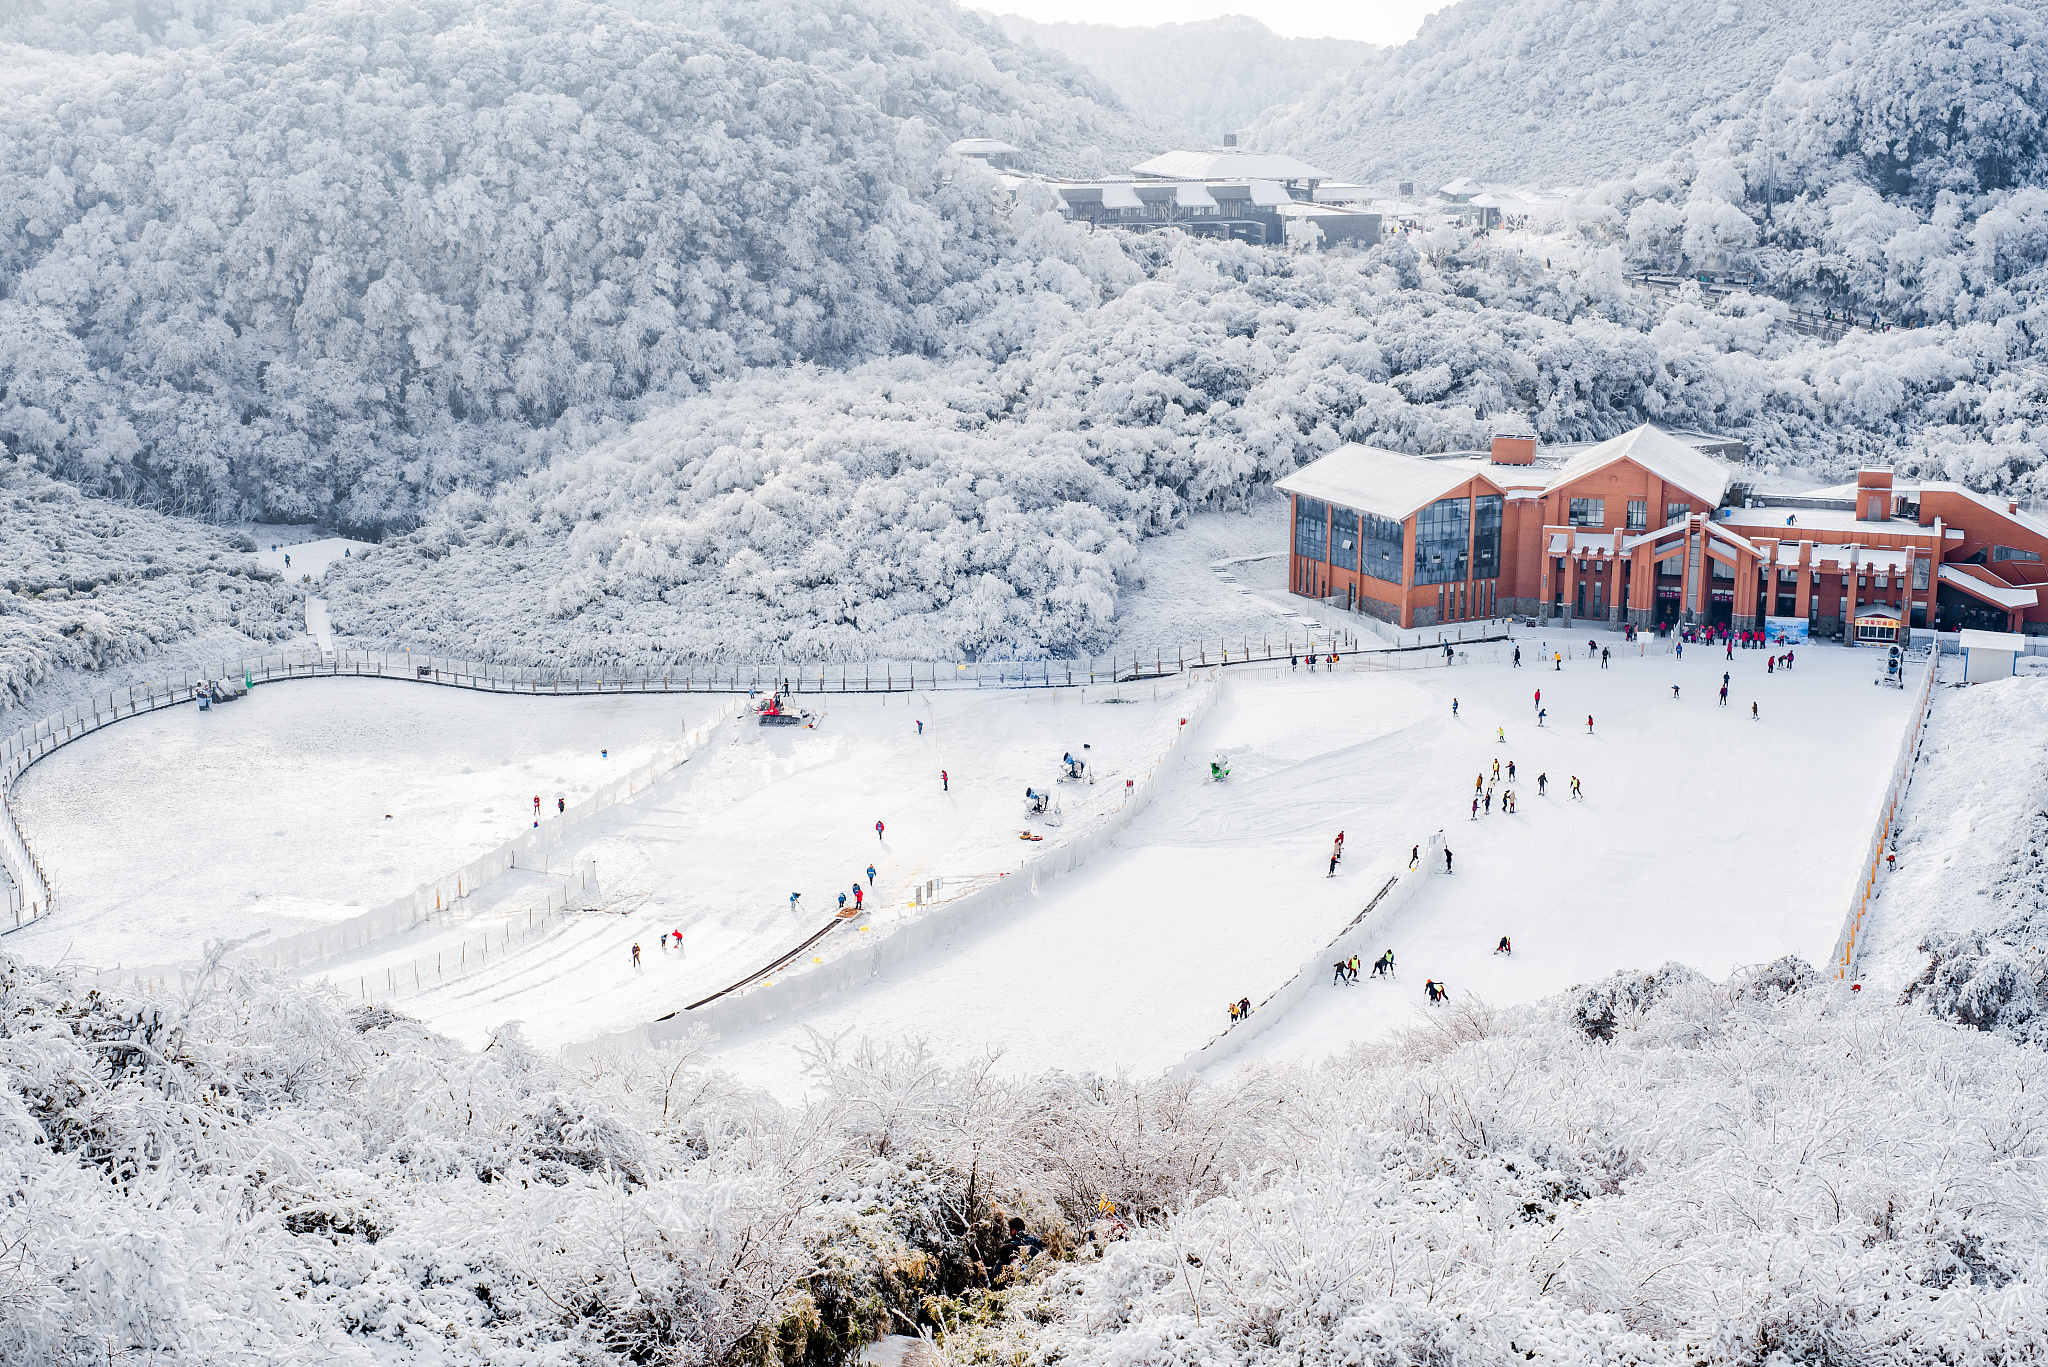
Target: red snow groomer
[(772, 712)]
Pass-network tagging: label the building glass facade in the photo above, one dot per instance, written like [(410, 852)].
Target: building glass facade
[(1311, 528), (1343, 538), (1589, 512), (1380, 547), (1486, 518), (1443, 534)]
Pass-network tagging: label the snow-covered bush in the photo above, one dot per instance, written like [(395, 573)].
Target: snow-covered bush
[(242, 1169)]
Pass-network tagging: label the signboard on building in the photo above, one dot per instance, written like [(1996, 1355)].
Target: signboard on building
[(1785, 631)]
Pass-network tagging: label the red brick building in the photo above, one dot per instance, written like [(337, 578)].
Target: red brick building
[(1637, 529)]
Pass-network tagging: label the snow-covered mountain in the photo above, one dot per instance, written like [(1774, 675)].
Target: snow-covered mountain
[(1566, 91), (1210, 77)]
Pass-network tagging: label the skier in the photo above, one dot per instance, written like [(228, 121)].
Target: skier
[(792, 900), (561, 805), (1244, 1007), (1233, 1011), (1500, 738), (1752, 712), (1496, 771), (1541, 714), (679, 938), (1538, 704), (1489, 802), (1589, 723), (1771, 665), (1575, 787), (536, 804), (1557, 660), (945, 784), (1542, 782), (1604, 652), (1724, 678), (878, 832), (1724, 695), (859, 896), (1479, 780), (636, 954), (1475, 809), (1674, 692), (1518, 657), (1339, 976), (1354, 968), (1454, 707), (1447, 859), (1503, 947), (1415, 856), (1429, 989), (1511, 771), (871, 875), (920, 728)]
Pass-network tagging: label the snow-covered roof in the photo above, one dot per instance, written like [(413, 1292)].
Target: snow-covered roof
[(1328, 193), (1269, 194), (1993, 640), (982, 147), (1193, 197), (1662, 455), (2005, 597), (1120, 195), (1374, 480), (1229, 164), (1463, 185), (1585, 542), (1820, 520)]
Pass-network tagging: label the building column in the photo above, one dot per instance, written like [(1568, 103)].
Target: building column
[(1803, 590)]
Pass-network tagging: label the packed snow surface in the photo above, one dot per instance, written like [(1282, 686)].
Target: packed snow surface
[(1704, 836), (303, 803)]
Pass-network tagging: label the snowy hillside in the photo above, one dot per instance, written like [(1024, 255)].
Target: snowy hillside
[(1210, 77), (86, 586), (1709, 1174), (1562, 91), (463, 235)]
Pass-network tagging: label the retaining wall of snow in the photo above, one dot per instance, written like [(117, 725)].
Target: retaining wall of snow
[(797, 990), (1393, 897)]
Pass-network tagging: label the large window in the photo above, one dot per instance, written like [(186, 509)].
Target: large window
[(1920, 572), (1486, 513), (1380, 547), (1311, 527), (1343, 539), (1638, 514), (1442, 540), (1589, 512), (1676, 512), (2013, 553)]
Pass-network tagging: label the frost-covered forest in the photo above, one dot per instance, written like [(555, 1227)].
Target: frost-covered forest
[(1654, 1169), (1208, 77)]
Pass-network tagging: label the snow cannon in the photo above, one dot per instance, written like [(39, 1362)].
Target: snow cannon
[(1074, 770), (1035, 803)]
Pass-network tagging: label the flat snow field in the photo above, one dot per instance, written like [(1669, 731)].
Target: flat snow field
[(1704, 836), (268, 815)]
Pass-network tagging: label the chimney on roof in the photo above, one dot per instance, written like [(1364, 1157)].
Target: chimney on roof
[(2012, 505), (1230, 139), (1513, 449)]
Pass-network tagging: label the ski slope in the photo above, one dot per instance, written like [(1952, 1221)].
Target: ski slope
[(715, 849), (1704, 836)]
